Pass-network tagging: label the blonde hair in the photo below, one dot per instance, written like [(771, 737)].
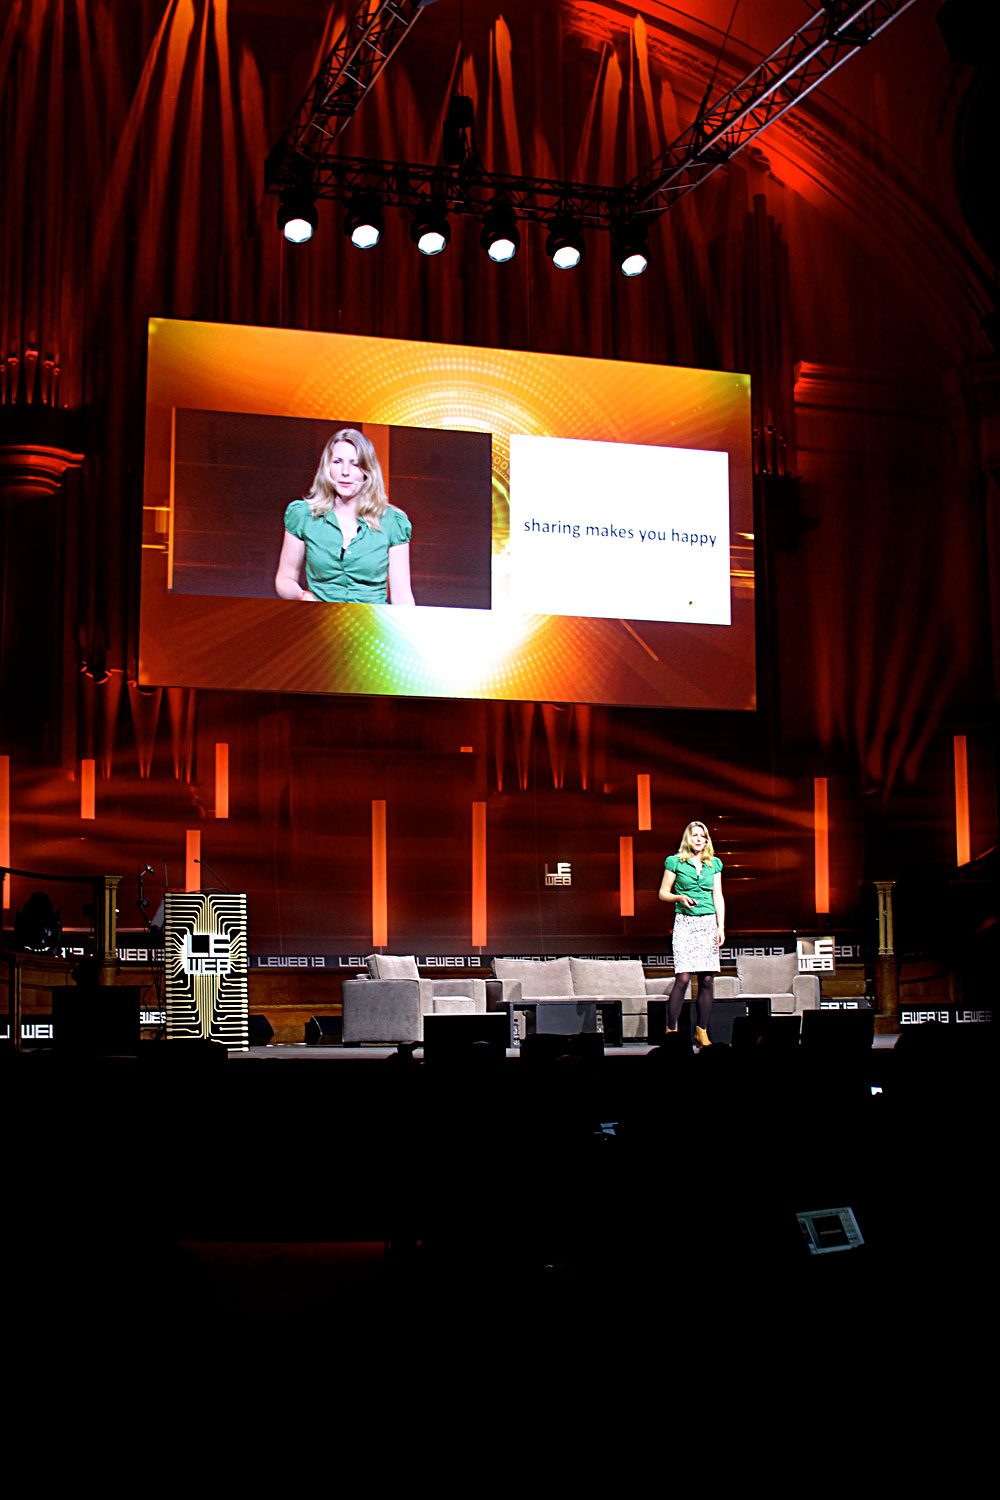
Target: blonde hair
[(686, 852), (372, 499)]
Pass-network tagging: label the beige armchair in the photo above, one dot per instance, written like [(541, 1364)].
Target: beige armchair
[(775, 978), (388, 1004)]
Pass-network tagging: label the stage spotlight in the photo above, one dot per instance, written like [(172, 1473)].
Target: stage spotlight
[(364, 223), (564, 245), (297, 216), (630, 251), (500, 238), (430, 230)]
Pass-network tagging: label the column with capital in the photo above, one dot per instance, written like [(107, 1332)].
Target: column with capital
[(886, 963), (39, 448)]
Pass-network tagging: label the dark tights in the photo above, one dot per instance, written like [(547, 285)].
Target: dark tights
[(705, 990)]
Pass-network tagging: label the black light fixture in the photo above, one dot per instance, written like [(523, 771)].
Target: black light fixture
[(457, 146), (297, 216), (364, 222), (500, 237), (430, 230), (630, 249), (564, 245)]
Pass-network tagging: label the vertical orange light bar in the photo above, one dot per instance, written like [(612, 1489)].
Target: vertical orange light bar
[(170, 498), (5, 824), (221, 780), (87, 786), (192, 854), (821, 843), (625, 878), (380, 904), (479, 874), (963, 851), (645, 803)]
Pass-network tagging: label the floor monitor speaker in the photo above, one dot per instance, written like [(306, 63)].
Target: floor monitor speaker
[(482, 1036), (260, 1031), (325, 1031)]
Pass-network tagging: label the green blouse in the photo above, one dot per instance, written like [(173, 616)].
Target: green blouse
[(356, 574), (698, 885)]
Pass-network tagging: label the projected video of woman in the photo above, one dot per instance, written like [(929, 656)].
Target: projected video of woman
[(353, 545), (522, 586)]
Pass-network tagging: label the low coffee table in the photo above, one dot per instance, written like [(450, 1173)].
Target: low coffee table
[(568, 1017)]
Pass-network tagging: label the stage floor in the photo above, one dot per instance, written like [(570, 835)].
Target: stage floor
[(303, 1052)]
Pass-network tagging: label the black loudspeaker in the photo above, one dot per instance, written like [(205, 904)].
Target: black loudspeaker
[(468, 1039), (759, 1011), (725, 1014), (749, 1029), (782, 1033), (325, 1031), (96, 1019), (746, 1034), (656, 1012), (772, 1033), (260, 1031), (844, 1033), (720, 1022)]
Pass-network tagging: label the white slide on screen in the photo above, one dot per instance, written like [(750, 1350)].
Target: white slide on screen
[(619, 530)]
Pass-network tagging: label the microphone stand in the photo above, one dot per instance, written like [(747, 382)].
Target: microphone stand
[(143, 905), (206, 866)]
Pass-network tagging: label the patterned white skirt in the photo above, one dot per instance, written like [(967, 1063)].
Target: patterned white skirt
[(695, 948)]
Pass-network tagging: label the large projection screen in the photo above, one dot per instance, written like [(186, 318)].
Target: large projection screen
[(581, 528)]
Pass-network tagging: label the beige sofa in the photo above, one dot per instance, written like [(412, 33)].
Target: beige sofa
[(572, 979)]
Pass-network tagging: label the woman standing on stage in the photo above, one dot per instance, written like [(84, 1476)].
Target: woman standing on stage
[(692, 880), (353, 545)]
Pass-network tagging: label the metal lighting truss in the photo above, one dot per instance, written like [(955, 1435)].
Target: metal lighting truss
[(466, 189), (349, 70), (823, 44), (305, 155)]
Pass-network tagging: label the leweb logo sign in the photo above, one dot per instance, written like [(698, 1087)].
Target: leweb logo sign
[(816, 955), (205, 953)]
